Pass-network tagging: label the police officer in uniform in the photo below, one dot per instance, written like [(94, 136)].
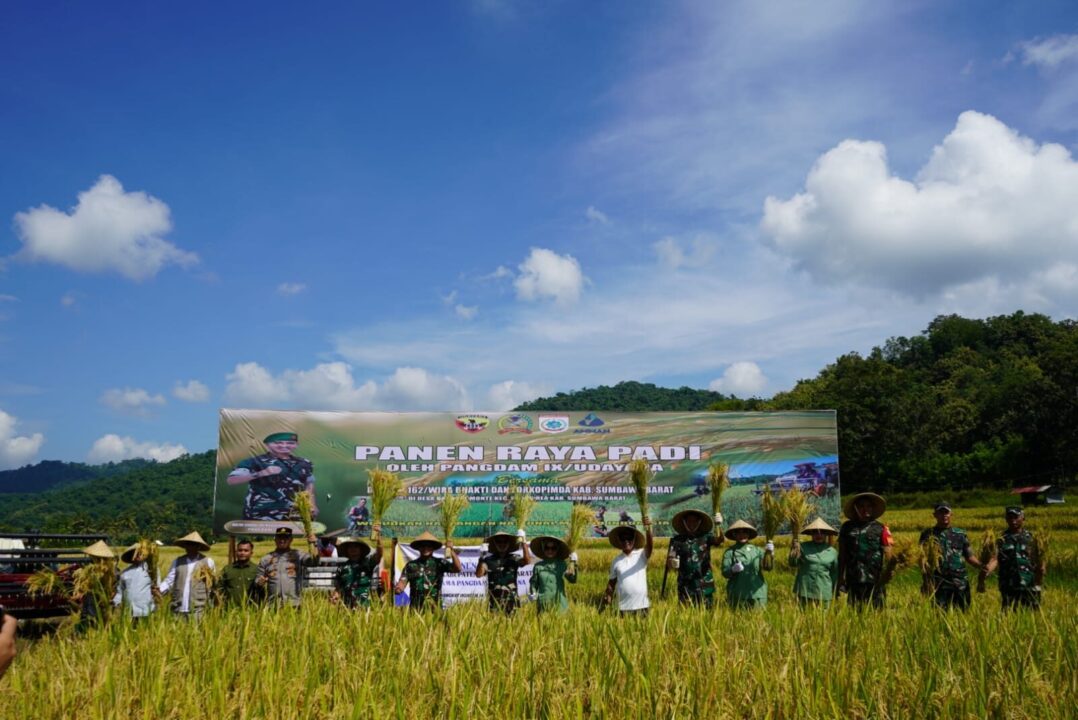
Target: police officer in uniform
[(949, 582), (864, 545), (1020, 571), (274, 478), (690, 556)]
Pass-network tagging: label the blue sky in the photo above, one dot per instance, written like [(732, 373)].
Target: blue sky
[(465, 205)]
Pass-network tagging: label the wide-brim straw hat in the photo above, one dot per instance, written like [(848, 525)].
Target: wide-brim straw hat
[(614, 536), (537, 546), (706, 523), (741, 525), (128, 555), (343, 543), (514, 541), (425, 539), (99, 550), (192, 539), (819, 524), (879, 505)]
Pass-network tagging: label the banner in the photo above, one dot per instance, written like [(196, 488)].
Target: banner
[(266, 457), (456, 587)]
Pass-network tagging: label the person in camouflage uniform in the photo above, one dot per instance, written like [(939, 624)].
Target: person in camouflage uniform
[(556, 565), (423, 576), (500, 566), (864, 545), (353, 581), (274, 478), (949, 582), (690, 556), (1020, 571)]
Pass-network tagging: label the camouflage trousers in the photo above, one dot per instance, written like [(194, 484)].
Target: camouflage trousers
[(687, 595), (502, 600), (862, 594), (1021, 598), (951, 596)]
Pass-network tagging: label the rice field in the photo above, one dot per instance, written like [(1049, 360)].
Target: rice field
[(908, 661)]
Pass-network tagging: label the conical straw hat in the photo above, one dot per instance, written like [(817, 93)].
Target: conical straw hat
[(819, 524), (425, 539), (514, 541), (537, 546), (99, 550), (706, 523), (343, 543), (879, 505), (193, 539), (741, 525), (128, 555), (614, 536)]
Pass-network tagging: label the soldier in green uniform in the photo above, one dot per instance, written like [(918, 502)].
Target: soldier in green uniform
[(949, 583), (236, 586), (423, 576), (864, 545), (274, 478), (742, 567), (556, 565), (499, 566), (817, 565), (353, 580), (1020, 571), (690, 556)]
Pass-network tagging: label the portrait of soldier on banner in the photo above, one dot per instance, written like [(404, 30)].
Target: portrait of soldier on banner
[(274, 478)]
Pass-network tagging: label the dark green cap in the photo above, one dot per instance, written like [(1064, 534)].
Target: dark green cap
[(1015, 510), (281, 437)]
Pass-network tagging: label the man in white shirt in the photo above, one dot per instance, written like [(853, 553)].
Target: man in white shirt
[(629, 571), (188, 579)]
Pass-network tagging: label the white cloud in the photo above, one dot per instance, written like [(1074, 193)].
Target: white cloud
[(68, 300), (545, 275), (8, 298), (672, 255), (499, 273), (291, 288), (742, 379), (132, 401), (1050, 52), (331, 386), (16, 450), (507, 394), (108, 230), (596, 215), (191, 391), (113, 448), (466, 312), (989, 203)]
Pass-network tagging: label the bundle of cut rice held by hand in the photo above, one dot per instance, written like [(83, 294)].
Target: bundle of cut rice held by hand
[(96, 580), (385, 487), (986, 554), (1038, 554), (773, 515), (521, 505), (47, 582), (581, 519), (718, 480), (640, 476), (204, 574), (301, 502), (905, 553), (453, 504), (146, 552), (798, 508), (931, 555)]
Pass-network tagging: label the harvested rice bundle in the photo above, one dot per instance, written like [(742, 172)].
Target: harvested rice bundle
[(303, 507), (521, 505), (798, 508), (905, 553), (640, 475), (452, 506), (773, 515), (931, 555), (580, 519), (986, 554), (718, 480), (1038, 554), (385, 487), (47, 582)]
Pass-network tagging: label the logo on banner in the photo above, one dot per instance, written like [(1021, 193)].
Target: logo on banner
[(473, 423), (593, 424), (553, 423), (515, 424)]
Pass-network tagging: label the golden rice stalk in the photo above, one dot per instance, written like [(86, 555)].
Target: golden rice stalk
[(452, 506), (931, 554), (718, 480), (146, 551), (798, 509), (1038, 553), (640, 476), (96, 579), (773, 513), (985, 555), (905, 553), (302, 505), (521, 504), (385, 487), (580, 519), (47, 582), (204, 574)]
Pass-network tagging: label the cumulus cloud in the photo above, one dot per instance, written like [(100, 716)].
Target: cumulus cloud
[(113, 448), (291, 288), (595, 215), (989, 203), (1050, 52), (16, 450), (108, 230), (131, 401), (545, 275), (742, 379), (191, 391), (673, 254), (507, 394), (332, 386)]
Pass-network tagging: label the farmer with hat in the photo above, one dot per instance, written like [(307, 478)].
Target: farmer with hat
[(280, 573), (629, 570), (499, 566), (1021, 572), (274, 478), (817, 565), (742, 568), (100, 580), (690, 556), (236, 586), (353, 579), (189, 578), (423, 576), (949, 581), (556, 565), (864, 545), (135, 589)]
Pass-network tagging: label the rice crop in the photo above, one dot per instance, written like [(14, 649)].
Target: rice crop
[(798, 507), (385, 486), (453, 504), (521, 505), (773, 515), (640, 475), (931, 555), (581, 518), (718, 480), (985, 554), (305, 509)]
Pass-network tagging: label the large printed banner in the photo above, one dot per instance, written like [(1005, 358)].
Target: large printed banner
[(266, 457)]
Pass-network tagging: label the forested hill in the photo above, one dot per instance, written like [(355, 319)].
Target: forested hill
[(54, 473), (628, 397)]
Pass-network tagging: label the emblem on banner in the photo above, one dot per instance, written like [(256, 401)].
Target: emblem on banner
[(553, 423), (473, 423), (592, 423), (515, 424)]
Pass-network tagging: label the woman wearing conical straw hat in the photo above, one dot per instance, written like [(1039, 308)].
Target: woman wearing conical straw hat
[(423, 576), (500, 566), (817, 565), (556, 565), (690, 556), (742, 566), (187, 582), (135, 588)]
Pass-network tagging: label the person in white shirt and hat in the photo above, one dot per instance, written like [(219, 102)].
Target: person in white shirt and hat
[(190, 578), (629, 570), (135, 589)]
